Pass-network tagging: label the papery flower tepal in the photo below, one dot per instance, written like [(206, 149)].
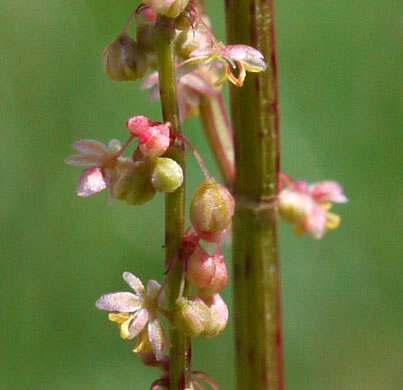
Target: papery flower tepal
[(137, 314), (307, 206), (242, 58), (105, 166)]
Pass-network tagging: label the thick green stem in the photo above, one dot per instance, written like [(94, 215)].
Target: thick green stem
[(219, 135), (256, 269), (174, 202)]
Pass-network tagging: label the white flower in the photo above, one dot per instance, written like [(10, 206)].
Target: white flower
[(137, 314)]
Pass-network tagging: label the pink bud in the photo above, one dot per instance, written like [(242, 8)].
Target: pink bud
[(146, 15), (139, 125), (201, 268), (153, 137), (219, 280), (155, 142)]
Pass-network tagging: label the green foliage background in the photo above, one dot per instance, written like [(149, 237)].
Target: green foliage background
[(340, 81)]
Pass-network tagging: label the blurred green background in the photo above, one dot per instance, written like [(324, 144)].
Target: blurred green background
[(340, 83)]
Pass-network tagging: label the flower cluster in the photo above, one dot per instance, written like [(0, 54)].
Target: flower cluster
[(136, 179), (202, 65)]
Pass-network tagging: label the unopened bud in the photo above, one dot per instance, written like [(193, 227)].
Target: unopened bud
[(166, 175), (134, 186), (219, 280), (124, 60), (170, 8), (155, 142), (212, 207), (139, 125), (201, 268), (191, 316), (154, 138), (219, 316)]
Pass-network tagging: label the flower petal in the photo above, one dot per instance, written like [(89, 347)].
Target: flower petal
[(84, 160), (328, 191), (114, 147), (138, 324), (151, 81), (253, 59), (124, 302), (153, 288), (202, 52), (90, 146), (315, 223), (158, 338), (91, 181), (134, 282)]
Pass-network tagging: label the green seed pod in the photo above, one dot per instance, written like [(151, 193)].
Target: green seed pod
[(124, 60), (219, 316), (191, 316), (166, 175), (212, 207), (134, 186)]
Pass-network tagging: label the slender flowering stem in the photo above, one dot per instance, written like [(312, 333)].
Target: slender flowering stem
[(174, 202), (216, 126), (129, 21), (256, 270), (219, 135)]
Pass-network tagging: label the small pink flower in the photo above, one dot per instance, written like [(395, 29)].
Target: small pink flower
[(306, 206), (154, 138), (137, 314), (105, 166)]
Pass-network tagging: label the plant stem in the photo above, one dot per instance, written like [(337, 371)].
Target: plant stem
[(174, 202), (219, 135), (216, 126), (255, 120)]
